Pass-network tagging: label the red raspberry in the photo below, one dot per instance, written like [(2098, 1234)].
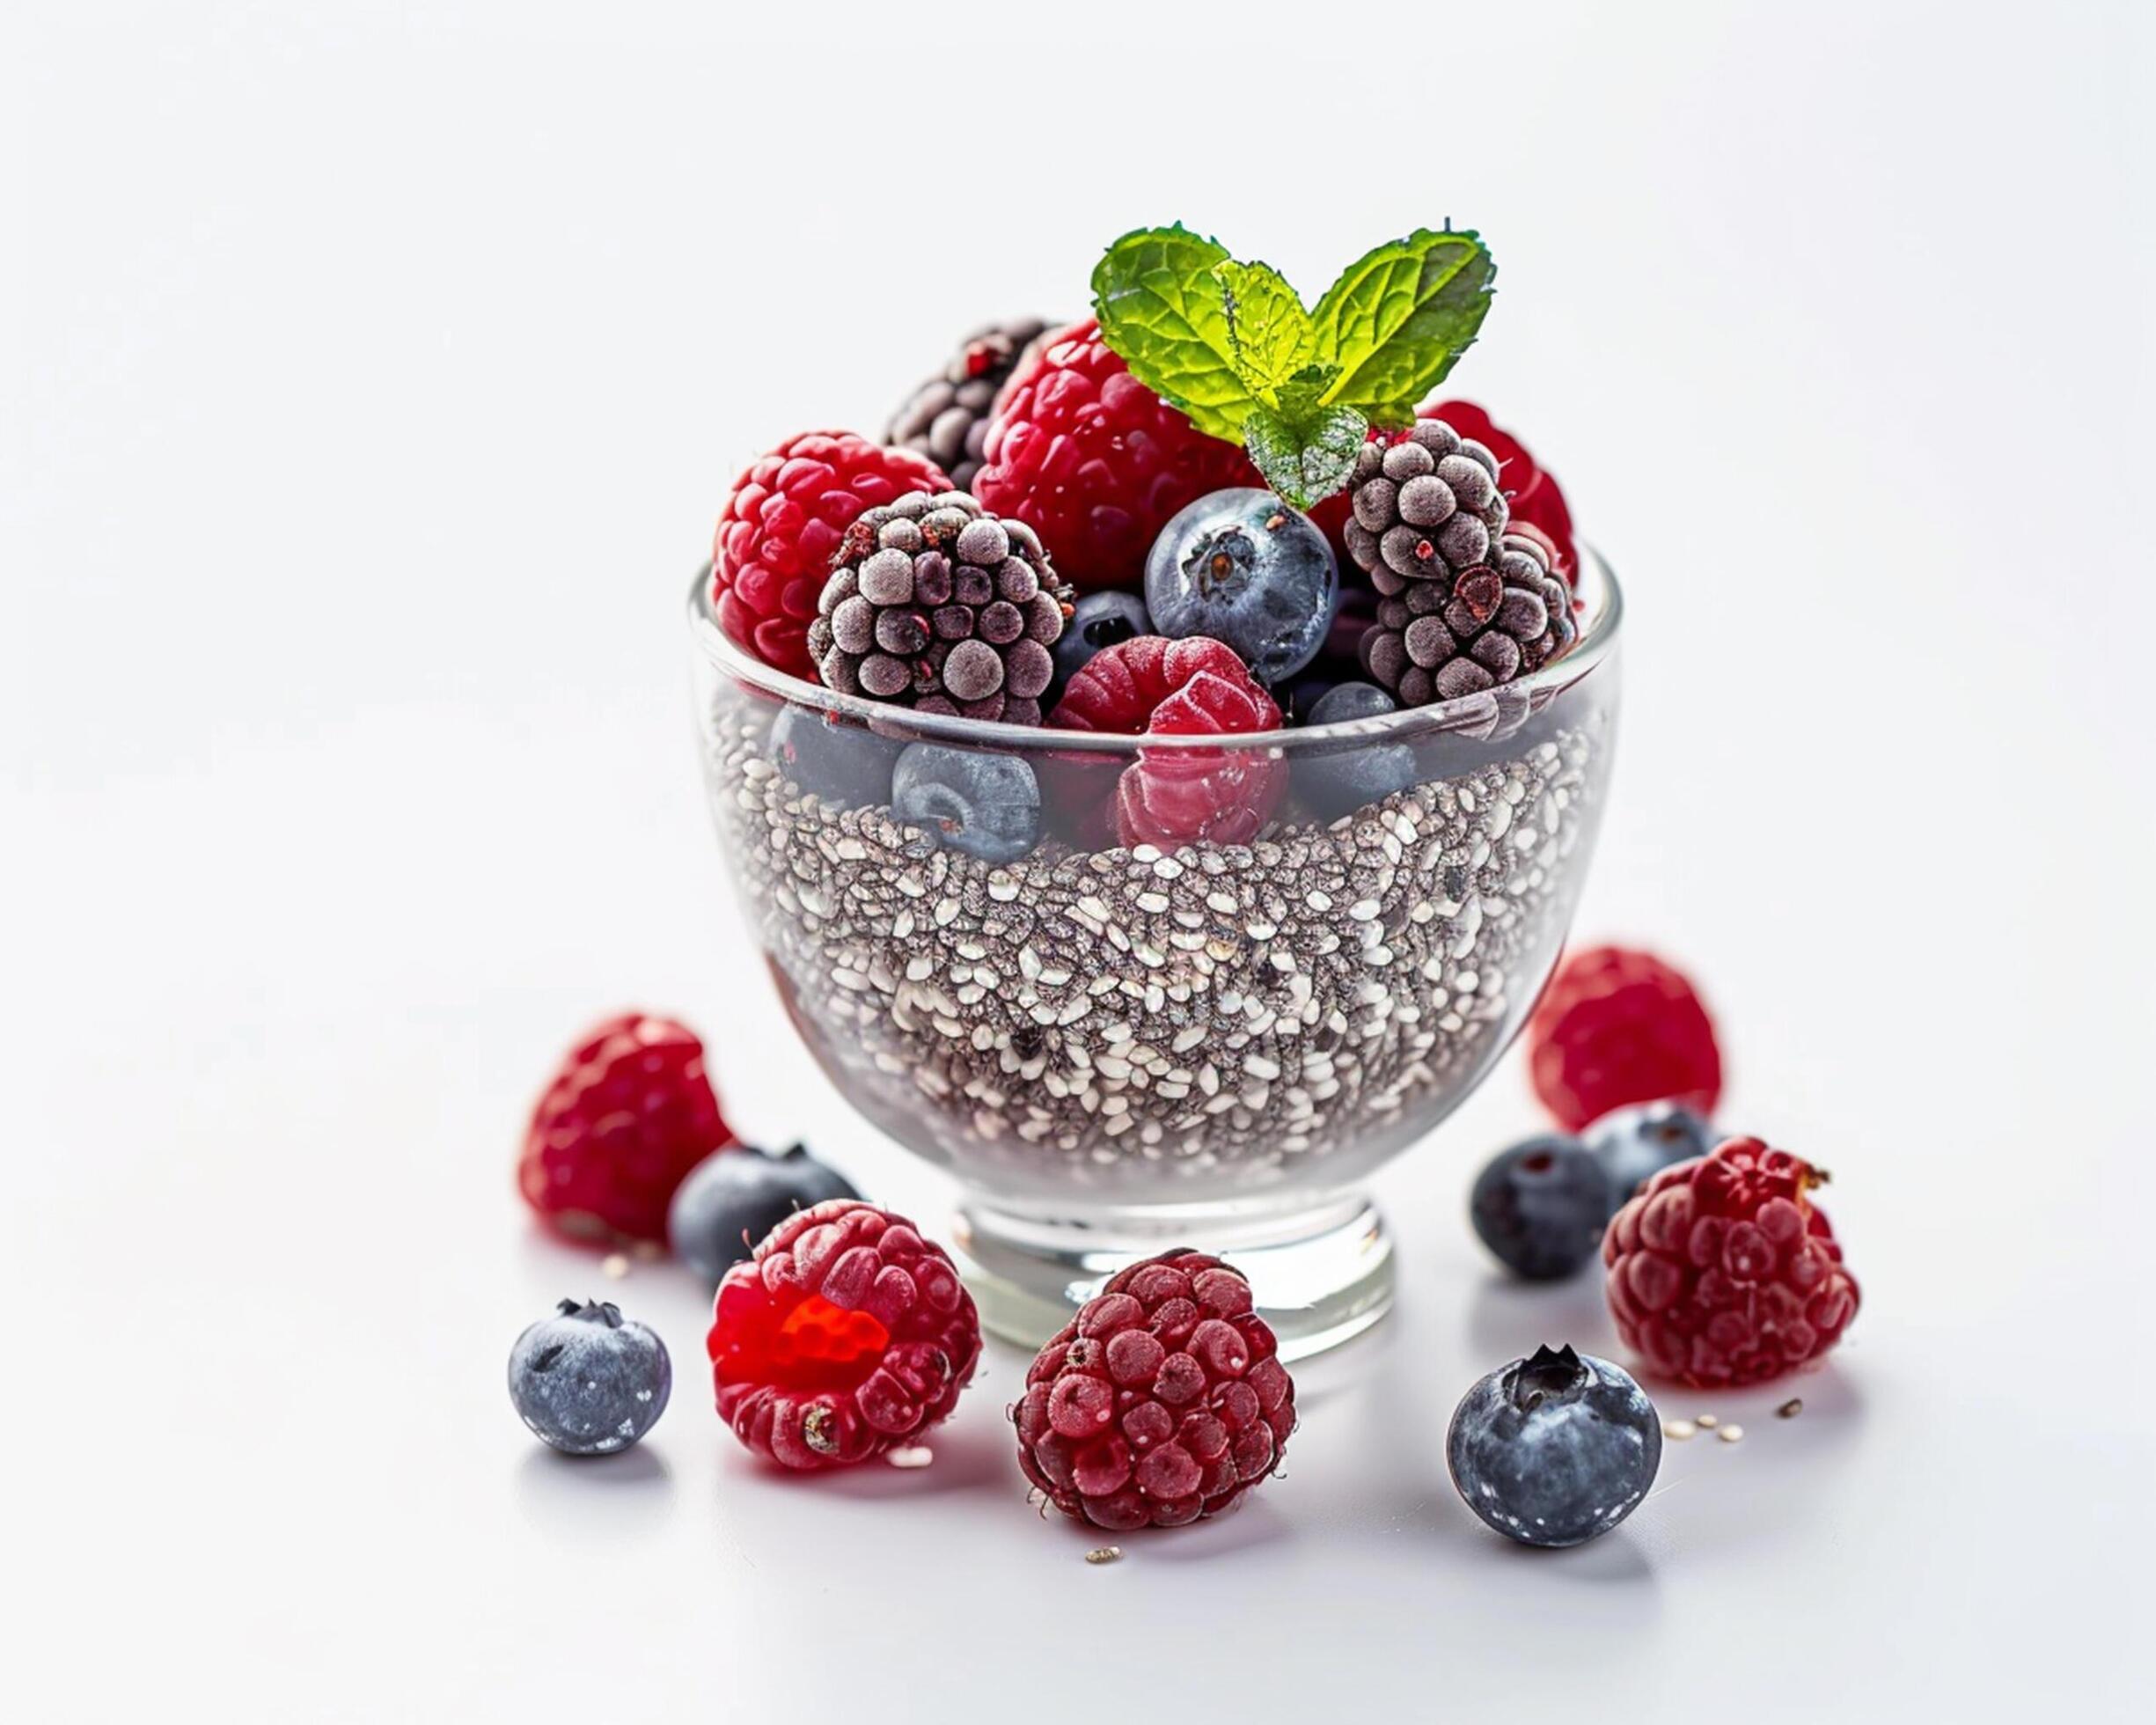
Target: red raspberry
[(1152, 686), (1723, 1272), (778, 533), (1615, 1027), (1536, 502), (1093, 461), (622, 1121), (845, 1334), (1163, 1400)]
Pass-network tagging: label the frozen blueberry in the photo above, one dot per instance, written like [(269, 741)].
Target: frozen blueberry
[(736, 1196), (849, 766), (985, 804), (589, 1381), (1554, 1449), (1101, 619), (1635, 1144), (1541, 1207), (1334, 782), (1242, 566)]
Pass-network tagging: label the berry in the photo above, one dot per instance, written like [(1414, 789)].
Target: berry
[(589, 1381), (987, 806), (1155, 687), (947, 418), (1423, 505), (625, 1115), (1100, 619), (1635, 1144), (845, 1334), (1617, 1026), (1332, 782), (1450, 637), (1243, 567), (781, 528), (1094, 460), (1554, 1449), (1339, 659), (1722, 1271), (732, 1200), (848, 766), (935, 603), (1540, 1207), (1163, 1400)]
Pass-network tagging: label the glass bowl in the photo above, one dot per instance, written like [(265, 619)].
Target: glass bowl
[(1117, 1050)]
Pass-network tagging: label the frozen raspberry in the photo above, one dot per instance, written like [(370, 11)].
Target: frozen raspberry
[(1163, 1400), (844, 1334), (781, 528), (1617, 1026), (1093, 461), (1722, 1271), (1154, 687), (1532, 494), (625, 1118)]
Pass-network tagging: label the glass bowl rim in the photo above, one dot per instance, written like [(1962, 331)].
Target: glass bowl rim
[(1601, 618)]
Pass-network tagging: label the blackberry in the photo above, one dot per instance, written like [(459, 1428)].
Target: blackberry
[(935, 604), (1447, 637), (947, 418), (1425, 506)]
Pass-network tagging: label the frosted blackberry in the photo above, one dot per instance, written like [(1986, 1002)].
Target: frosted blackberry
[(1454, 636), (1424, 506), (947, 418), (933, 602)]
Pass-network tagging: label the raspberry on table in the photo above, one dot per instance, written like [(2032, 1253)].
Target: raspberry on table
[(846, 1334), (782, 529), (1196, 686), (1722, 1271), (1617, 1026), (626, 1115), (1163, 1400), (1093, 461)]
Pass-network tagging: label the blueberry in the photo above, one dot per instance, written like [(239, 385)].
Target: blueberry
[(1554, 1449), (1243, 567), (1101, 619), (589, 1381), (1335, 782), (1540, 1205), (1635, 1144), (734, 1197), (849, 766), (987, 806)]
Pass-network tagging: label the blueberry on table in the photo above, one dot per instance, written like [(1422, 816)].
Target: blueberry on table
[(1541, 1207), (1554, 1449), (1634, 1144), (1242, 566), (589, 1381), (983, 804), (736, 1196)]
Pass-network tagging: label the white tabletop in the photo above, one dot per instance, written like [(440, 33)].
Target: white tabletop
[(372, 378)]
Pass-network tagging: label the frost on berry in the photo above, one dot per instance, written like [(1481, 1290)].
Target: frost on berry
[(846, 1334), (1722, 1271), (1163, 1400)]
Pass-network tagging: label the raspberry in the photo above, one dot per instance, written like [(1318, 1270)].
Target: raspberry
[(844, 1334), (626, 1117), (1722, 1271), (1093, 461), (1617, 1026), (1152, 686), (780, 529), (1163, 1400)]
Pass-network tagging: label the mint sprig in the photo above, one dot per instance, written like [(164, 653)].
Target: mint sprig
[(1232, 346)]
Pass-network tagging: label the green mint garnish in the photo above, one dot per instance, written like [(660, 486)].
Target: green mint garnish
[(1232, 346)]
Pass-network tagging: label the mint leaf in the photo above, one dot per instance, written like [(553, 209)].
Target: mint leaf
[(1305, 451), (1399, 317), (1268, 331), (1164, 310)]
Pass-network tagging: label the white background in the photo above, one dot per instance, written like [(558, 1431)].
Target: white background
[(372, 378)]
